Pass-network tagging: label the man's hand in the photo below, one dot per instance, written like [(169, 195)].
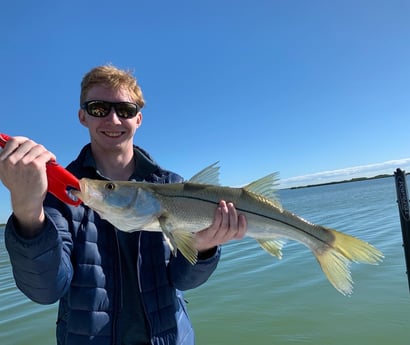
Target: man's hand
[(227, 225), (23, 172)]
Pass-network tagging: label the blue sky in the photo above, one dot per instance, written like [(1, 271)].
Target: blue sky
[(296, 86)]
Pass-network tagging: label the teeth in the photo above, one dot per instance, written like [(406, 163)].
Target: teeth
[(113, 134)]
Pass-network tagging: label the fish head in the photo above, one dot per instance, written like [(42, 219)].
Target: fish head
[(127, 205)]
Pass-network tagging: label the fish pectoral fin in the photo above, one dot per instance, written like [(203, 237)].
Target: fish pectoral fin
[(171, 242), (272, 246), (185, 242), (166, 231)]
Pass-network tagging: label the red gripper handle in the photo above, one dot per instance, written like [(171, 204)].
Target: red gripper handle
[(59, 179)]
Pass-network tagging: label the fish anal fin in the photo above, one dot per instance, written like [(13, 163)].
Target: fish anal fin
[(272, 246)]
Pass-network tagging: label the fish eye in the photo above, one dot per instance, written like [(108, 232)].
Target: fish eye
[(110, 186)]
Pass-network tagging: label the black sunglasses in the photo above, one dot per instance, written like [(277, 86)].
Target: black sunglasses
[(125, 110)]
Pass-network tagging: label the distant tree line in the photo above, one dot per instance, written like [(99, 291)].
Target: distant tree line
[(356, 179)]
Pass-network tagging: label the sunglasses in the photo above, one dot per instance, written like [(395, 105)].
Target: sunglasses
[(125, 110)]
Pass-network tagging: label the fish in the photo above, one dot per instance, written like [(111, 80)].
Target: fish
[(180, 210)]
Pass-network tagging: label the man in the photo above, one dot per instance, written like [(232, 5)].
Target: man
[(113, 287)]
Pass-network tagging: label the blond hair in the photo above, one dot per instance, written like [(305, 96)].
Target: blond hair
[(112, 77)]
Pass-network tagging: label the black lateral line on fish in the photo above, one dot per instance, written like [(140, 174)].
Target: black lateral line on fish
[(251, 212)]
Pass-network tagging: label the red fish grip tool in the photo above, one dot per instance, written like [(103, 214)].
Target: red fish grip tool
[(59, 179)]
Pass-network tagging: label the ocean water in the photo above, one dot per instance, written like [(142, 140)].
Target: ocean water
[(253, 298)]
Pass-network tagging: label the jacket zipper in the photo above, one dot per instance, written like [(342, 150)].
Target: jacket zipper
[(140, 287), (117, 306)]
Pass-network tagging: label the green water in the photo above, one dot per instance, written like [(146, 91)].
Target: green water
[(253, 298)]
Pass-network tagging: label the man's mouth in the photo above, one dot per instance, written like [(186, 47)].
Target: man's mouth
[(112, 134)]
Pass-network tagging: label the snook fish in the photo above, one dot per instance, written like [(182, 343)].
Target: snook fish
[(180, 210)]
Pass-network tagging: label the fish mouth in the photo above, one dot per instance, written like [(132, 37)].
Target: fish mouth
[(82, 193), (76, 194), (88, 192)]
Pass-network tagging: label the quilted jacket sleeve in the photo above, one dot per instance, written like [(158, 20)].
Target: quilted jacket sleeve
[(41, 265), (185, 276)]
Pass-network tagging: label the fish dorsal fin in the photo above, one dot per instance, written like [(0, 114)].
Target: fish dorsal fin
[(209, 175), (266, 186)]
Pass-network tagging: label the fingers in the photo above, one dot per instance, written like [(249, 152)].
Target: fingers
[(23, 166), (233, 217), (233, 225), (23, 172), (227, 225), (24, 150), (11, 147)]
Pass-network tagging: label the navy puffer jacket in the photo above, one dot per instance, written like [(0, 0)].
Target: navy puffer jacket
[(75, 260)]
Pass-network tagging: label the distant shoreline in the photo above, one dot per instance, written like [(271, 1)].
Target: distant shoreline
[(356, 179)]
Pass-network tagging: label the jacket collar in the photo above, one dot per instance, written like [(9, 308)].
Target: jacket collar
[(144, 164)]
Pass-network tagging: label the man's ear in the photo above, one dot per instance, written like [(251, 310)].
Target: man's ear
[(139, 119), (82, 118)]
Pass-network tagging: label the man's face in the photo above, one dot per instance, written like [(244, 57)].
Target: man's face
[(110, 133)]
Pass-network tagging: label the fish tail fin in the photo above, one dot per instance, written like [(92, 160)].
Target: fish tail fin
[(335, 257)]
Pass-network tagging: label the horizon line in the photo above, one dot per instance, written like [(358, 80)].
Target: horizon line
[(367, 170)]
